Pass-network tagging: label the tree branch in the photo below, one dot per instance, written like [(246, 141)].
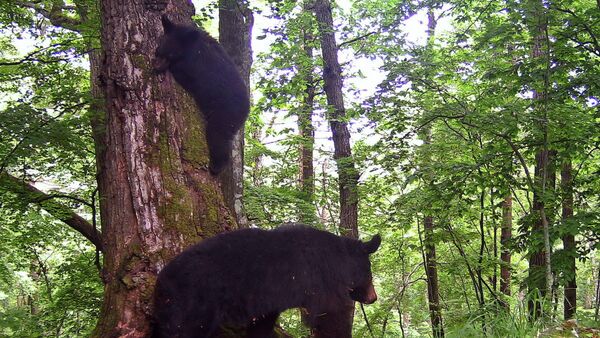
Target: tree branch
[(51, 196), (587, 28), (55, 15), (30, 57), (31, 194), (347, 42)]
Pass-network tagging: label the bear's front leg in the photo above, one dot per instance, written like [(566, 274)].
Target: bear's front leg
[(262, 327), (336, 323)]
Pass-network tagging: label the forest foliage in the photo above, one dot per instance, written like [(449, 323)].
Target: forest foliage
[(453, 107)]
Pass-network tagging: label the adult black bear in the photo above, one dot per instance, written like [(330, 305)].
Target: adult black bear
[(246, 278), (202, 67)]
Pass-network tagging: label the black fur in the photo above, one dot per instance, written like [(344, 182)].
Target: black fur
[(202, 67), (246, 278)]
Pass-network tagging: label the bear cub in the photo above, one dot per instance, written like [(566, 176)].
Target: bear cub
[(202, 67), (246, 278)]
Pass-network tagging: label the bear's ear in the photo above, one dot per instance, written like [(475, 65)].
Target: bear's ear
[(372, 245), (167, 24)]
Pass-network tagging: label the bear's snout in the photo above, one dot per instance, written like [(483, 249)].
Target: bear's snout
[(371, 295)]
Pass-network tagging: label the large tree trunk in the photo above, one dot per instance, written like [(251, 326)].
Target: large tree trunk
[(505, 237), (570, 300), (336, 114), (235, 35), (156, 195)]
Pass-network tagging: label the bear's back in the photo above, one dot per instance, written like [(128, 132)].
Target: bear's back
[(248, 252)]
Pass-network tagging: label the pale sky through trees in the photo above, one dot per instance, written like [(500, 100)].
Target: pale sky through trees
[(366, 86)]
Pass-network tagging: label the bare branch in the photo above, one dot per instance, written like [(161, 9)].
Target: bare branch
[(51, 196), (55, 15), (31, 194), (31, 57), (356, 39)]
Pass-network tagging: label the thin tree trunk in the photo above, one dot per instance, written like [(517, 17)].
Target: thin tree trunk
[(336, 115), (347, 173), (505, 255), (307, 130), (471, 271), (597, 305), (570, 300), (495, 240), (433, 292), (481, 248), (539, 287), (155, 198), (400, 321), (235, 35), (540, 270), (537, 280), (307, 172)]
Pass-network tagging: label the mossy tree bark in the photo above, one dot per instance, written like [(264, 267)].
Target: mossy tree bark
[(156, 195)]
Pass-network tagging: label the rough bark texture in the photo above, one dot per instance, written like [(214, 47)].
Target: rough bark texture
[(332, 74), (156, 195), (505, 237), (570, 300), (235, 35)]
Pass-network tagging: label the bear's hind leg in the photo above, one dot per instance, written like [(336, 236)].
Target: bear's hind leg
[(219, 148), (197, 327), (185, 328)]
